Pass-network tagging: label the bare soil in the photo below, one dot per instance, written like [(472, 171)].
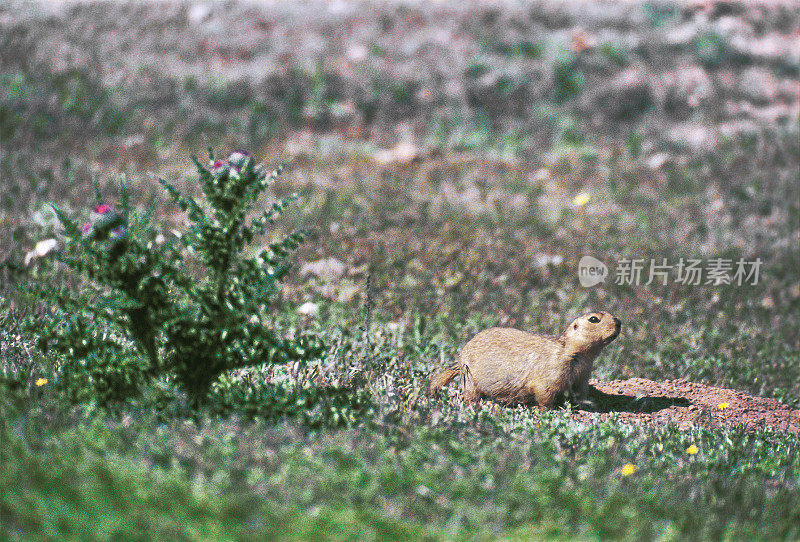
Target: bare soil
[(687, 404)]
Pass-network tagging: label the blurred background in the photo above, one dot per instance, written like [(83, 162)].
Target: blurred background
[(463, 155)]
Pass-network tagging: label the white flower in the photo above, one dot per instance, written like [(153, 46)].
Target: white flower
[(394, 326), (42, 248), (543, 260), (308, 308)]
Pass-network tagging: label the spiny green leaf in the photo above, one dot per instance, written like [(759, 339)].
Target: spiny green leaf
[(70, 227), (97, 194)]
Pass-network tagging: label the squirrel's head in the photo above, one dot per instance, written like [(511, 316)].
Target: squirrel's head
[(594, 328)]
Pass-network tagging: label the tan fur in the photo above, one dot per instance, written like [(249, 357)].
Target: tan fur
[(511, 365), (445, 376)]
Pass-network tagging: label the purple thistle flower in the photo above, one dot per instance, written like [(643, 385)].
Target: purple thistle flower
[(238, 160), (118, 233), (102, 220), (218, 168)]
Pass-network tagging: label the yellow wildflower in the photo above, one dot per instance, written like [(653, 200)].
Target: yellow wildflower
[(723, 406), (628, 469), (581, 199), (41, 382), (691, 450)]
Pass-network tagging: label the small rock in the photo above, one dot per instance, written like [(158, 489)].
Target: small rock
[(682, 90), (656, 161), (693, 137), (758, 85), (357, 52), (626, 95), (683, 35), (542, 174), (329, 269), (199, 13), (403, 153)]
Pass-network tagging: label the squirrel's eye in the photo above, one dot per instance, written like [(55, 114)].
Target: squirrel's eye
[(594, 319)]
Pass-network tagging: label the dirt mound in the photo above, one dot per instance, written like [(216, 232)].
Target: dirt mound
[(687, 404)]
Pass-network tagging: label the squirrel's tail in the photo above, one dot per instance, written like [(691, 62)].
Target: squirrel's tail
[(444, 377)]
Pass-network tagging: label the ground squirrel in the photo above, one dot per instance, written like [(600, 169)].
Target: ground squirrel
[(511, 365)]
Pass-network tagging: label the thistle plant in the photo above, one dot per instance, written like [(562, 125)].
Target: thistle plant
[(193, 307)]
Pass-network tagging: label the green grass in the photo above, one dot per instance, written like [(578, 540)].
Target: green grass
[(470, 474)]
